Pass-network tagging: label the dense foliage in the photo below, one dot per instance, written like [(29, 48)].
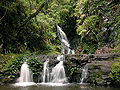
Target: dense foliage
[(30, 25), (23, 29), (97, 23)]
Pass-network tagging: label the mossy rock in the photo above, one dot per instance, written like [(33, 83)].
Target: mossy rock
[(95, 74)]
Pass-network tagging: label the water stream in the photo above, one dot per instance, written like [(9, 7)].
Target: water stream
[(26, 77), (58, 74), (64, 42), (46, 71), (84, 74)]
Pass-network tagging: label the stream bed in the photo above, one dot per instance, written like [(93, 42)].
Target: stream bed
[(57, 87)]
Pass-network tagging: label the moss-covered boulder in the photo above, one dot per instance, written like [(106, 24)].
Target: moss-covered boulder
[(98, 72)]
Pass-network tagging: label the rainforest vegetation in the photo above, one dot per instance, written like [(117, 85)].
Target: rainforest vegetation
[(29, 26)]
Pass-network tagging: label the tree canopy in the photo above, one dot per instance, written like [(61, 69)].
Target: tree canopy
[(30, 25)]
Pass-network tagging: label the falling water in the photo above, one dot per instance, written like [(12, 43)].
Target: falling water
[(84, 74), (26, 77), (46, 71), (64, 42), (25, 74), (58, 73), (60, 58)]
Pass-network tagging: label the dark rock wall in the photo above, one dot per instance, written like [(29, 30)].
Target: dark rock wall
[(99, 66), (98, 72)]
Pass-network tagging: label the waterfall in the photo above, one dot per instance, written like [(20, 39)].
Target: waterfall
[(26, 77), (84, 74), (58, 72), (46, 71), (25, 74), (64, 42), (60, 58)]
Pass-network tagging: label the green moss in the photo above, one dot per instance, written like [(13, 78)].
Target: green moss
[(79, 71), (4, 58), (94, 66)]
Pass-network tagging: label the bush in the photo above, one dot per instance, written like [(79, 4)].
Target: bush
[(36, 66), (10, 69), (115, 73)]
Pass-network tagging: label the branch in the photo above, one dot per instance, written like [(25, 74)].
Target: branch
[(3, 15), (33, 15)]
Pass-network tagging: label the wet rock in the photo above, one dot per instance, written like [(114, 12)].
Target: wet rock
[(98, 66), (99, 72)]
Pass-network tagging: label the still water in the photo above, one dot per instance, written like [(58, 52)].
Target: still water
[(50, 87)]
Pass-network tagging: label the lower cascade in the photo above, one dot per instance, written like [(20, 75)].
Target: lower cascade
[(25, 74), (58, 74), (26, 77)]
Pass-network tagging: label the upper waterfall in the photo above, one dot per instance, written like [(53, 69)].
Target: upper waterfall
[(64, 42)]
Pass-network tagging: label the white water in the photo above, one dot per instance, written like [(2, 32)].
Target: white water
[(46, 72), (64, 42), (60, 58), (26, 77), (61, 34), (84, 74), (58, 74)]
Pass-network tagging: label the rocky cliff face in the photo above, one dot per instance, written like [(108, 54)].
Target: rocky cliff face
[(98, 72), (99, 66)]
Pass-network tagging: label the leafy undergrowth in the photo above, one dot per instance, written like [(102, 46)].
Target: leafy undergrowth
[(115, 73)]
